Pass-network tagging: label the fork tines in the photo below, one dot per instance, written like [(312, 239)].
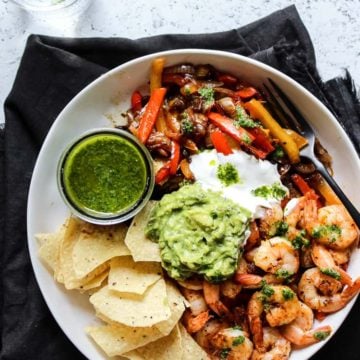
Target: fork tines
[(287, 112)]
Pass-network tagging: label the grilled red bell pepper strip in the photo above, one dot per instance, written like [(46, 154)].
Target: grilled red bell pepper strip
[(171, 166), (220, 142), (227, 126), (305, 188), (227, 79), (301, 184), (175, 158), (148, 119), (261, 154), (136, 101), (261, 140), (246, 93), (162, 174)]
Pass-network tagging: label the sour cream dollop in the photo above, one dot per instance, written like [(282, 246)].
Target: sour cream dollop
[(253, 174)]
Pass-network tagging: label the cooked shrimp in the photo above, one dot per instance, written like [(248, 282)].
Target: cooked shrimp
[(276, 346), (325, 262), (253, 239), (341, 257), (268, 224), (280, 304), (306, 260), (309, 293), (294, 216), (196, 301), (252, 281), (331, 226), (230, 289), (277, 256), (194, 323), (233, 343), (212, 298), (204, 336), (300, 332)]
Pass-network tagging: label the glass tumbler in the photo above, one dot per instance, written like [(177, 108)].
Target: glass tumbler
[(44, 5)]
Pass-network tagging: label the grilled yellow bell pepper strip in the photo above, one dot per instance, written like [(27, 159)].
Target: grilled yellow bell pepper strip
[(259, 112), (157, 68)]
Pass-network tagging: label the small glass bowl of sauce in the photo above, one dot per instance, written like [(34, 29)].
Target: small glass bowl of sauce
[(105, 176)]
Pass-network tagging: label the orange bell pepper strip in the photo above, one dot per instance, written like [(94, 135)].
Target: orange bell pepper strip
[(149, 117), (259, 112), (136, 101), (220, 142), (185, 169), (227, 126), (327, 193)]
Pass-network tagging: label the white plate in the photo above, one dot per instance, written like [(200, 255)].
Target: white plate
[(111, 94)]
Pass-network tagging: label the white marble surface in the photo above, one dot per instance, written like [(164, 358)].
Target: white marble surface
[(333, 25)]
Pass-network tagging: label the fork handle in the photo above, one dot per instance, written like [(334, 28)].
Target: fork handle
[(355, 214)]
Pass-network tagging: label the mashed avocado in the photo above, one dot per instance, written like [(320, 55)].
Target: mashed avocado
[(199, 232)]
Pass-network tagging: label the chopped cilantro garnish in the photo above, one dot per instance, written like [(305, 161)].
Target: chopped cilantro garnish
[(238, 341), (186, 125), (267, 290), (223, 354), (283, 274), (246, 138), (287, 294), (207, 95), (278, 153), (321, 335), (331, 272), (300, 240), (227, 174), (275, 191), (281, 228), (243, 119), (332, 232)]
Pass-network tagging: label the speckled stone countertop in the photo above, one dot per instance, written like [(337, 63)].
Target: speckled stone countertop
[(333, 25)]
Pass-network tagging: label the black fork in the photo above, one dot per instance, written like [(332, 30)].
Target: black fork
[(285, 108)]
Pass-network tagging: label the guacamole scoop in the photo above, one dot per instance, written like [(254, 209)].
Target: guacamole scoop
[(199, 232)]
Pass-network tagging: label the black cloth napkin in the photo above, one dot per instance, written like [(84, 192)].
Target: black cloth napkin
[(51, 73)]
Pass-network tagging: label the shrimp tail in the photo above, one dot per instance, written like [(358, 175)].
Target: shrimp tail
[(256, 329), (301, 338), (193, 324), (212, 299), (248, 279)]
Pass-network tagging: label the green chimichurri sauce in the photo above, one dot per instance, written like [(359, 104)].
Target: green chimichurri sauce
[(105, 173)]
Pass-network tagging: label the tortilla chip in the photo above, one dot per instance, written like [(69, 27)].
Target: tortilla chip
[(191, 349), (131, 309), (49, 248), (66, 273), (96, 282), (142, 248), (119, 339), (165, 348), (133, 277), (97, 244), (177, 307)]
